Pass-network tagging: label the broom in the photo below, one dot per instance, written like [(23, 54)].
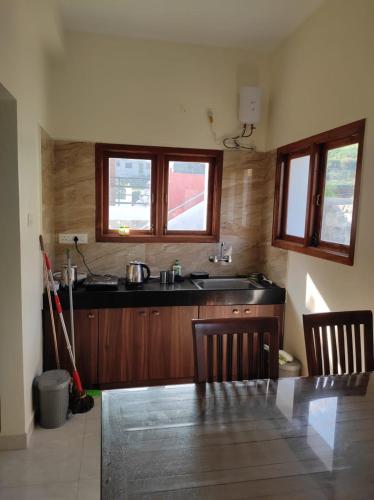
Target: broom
[(54, 335), (82, 402)]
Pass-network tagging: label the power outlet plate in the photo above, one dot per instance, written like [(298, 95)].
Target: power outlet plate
[(68, 239)]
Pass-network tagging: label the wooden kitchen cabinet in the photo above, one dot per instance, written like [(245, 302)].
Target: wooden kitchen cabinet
[(145, 344), (246, 310), (123, 345), (86, 344), (141, 345), (207, 312), (170, 346)]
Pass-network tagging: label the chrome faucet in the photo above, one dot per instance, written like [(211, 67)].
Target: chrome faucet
[(221, 257)]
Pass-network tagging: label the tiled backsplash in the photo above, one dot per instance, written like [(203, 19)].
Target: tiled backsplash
[(246, 211)]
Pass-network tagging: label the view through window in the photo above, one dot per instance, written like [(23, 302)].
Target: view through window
[(297, 195), (130, 184), (339, 194), (187, 196)]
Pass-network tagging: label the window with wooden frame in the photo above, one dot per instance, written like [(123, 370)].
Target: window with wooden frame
[(317, 192), (157, 194)]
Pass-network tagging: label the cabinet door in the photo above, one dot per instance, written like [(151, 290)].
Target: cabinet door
[(122, 345), (206, 312), (170, 348), (273, 310), (86, 344)]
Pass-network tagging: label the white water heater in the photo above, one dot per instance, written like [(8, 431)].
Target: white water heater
[(249, 105)]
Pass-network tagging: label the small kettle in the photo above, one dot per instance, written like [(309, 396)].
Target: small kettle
[(135, 273)]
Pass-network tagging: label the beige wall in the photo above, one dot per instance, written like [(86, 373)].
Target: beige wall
[(48, 193), (246, 208), (323, 77), (113, 89), (27, 29)]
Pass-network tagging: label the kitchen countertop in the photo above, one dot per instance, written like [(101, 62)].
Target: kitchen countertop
[(154, 294)]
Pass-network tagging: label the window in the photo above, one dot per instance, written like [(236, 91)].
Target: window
[(160, 194), (130, 183), (316, 195)]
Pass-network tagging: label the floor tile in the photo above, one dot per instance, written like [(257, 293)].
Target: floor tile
[(57, 491), (90, 467), (93, 425), (31, 467), (95, 412), (92, 445), (89, 489), (56, 460), (70, 435)]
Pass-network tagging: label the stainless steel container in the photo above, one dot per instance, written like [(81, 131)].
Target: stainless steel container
[(65, 276), (135, 273), (171, 277)]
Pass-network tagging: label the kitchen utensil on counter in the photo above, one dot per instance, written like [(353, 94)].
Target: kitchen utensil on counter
[(135, 274), (163, 277), (259, 278), (171, 277), (199, 275), (63, 277), (96, 282), (69, 274)]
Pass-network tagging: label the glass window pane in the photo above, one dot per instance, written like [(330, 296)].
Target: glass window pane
[(187, 196), (297, 196), (338, 194), (130, 193)]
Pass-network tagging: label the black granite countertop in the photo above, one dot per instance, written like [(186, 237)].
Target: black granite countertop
[(154, 294)]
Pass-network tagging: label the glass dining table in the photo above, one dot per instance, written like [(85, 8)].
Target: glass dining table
[(299, 438)]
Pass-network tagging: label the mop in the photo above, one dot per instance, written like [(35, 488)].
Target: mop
[(81, 402), (51, 315), (72, 331)]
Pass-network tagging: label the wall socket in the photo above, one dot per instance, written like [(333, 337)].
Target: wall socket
[(68, 239)]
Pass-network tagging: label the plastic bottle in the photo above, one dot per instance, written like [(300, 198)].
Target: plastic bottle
[(177, 268)]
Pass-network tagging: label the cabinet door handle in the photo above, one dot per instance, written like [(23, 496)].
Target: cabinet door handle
[(91, 316), (247, 311), (142, 313), (156, 313), (235, 311)]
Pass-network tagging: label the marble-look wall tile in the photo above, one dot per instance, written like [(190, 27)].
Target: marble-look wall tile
[(242, 214), (48, 192)]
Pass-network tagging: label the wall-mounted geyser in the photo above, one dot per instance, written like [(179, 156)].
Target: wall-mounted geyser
[(249, 116)]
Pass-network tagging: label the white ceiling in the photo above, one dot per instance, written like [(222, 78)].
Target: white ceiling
[(251, 24)]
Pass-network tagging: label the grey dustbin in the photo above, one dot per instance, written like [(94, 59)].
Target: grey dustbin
[(290, 369), (53, 389)]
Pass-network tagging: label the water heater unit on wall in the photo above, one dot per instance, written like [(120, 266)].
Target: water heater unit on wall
[(249, 105)]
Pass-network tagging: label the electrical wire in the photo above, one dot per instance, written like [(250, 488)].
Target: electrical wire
[(84, 260), (236, 139)]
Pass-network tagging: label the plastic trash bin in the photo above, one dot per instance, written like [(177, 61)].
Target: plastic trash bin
[(290, 369), (53, 391)]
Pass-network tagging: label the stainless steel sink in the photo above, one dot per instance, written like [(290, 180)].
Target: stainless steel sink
[(224, 284)]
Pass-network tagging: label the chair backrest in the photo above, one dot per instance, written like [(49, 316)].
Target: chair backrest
[(339, 342), (233, 348)]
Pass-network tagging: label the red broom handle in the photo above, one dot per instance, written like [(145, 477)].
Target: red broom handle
[(75, 373)]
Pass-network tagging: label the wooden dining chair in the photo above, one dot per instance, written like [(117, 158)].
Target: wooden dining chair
[(233, 349), (339, 342)]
